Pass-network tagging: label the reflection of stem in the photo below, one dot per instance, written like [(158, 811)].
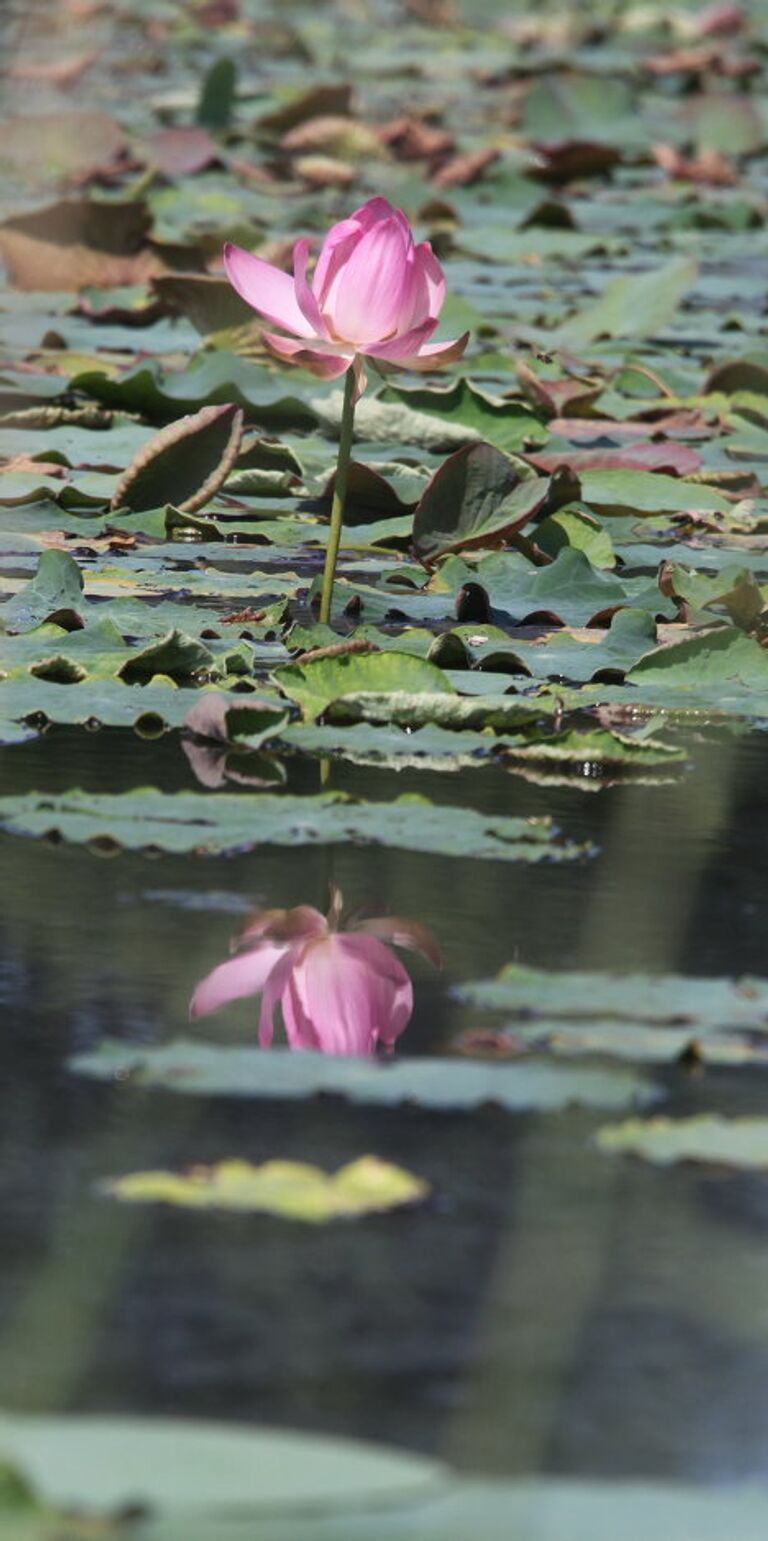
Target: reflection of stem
[(339, 493), (329, 861)]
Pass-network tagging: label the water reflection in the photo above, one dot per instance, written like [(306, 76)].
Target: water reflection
[(338, 991), (215, 759)]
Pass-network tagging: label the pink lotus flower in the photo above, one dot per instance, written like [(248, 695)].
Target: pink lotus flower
[(340, 992), (374, 294)]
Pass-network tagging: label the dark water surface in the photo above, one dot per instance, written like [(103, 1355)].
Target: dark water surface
[(549, 1309)]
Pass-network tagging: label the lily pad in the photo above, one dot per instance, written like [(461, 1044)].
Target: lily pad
[(223, 824), (206, 1471), (478, 498), (710, 1139), (672, 1000), (184, 464), (315, 684), (211, 1070), (54, 594), (637, 306)]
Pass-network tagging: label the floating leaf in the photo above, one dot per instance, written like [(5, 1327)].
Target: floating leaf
[(648, 492), (315, 684), (617, 1040), (596, 753), (709, 1138), (211, 304), (719, 666), (291, 1189), (54, 594), (407, 709), (184, 464), (583, 654), (204, 1473), (208, 825), (509, 425), (638, 306), (672, 1000), (226, 720), (74, 243), (569, 590), (53, 145), (149, 708), (204, 1069)]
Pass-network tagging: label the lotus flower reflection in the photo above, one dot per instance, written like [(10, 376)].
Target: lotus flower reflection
[(339, 992), (374, 294)]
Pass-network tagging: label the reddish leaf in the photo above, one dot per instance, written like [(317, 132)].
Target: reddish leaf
[(683, 424), (463, 170), (710, 168), (721, 19), (553, 396), (180, 151), (62, 72), (675, 459), (409, 139)]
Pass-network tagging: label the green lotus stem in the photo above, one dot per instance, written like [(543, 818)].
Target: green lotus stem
[(339, 493)]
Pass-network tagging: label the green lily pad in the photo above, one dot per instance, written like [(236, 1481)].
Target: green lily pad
[(509, 425), (698, 1005), (212, 1070), (478, 498), (54, 594), (637, 306), (315, 684), (204, 1470), (723, 667), (711, 1139), (222, 824)]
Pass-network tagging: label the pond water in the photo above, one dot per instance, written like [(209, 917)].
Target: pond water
[(548, 1309)]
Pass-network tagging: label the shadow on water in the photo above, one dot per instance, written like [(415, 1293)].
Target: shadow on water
[(549, 1309)]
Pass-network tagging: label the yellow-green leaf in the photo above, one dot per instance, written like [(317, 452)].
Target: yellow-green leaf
[(291, 1189)]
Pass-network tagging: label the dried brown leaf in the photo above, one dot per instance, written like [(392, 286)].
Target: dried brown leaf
[(325, 171), (60, 145), (711, 168), (463, 170), (410, 139), (63, 72)]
